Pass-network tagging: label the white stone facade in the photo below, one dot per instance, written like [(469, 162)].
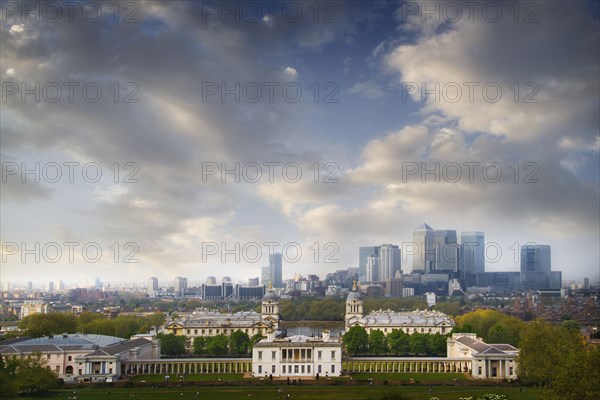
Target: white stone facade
[(297, 356)]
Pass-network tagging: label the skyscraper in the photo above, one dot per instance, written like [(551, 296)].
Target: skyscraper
[(372, 274), (446, 251), (50, 287), (389, 261), (180, 286), (276, 269), (471, 259), (265, 275), (363, 254), (97, 284), (152, 286), (535, 267), (424, 242)]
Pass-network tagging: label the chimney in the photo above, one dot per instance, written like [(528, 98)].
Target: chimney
[(270, 336), (326, 334)]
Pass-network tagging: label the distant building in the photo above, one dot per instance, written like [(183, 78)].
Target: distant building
[(372, 274), (536, 267), (386, 321), (276, 269), (363, 255), (389, 261), (180, 286), (424, 242), (297, 356), (211, 280), (30, 307), (446, 251), (471, 258), (152, 286), (206, 323)]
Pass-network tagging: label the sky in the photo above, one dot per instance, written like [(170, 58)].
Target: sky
[(191, 138)]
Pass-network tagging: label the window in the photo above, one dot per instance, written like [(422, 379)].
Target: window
[(70, 358), (319, 369), (284, 369), (333, 354), (260, 355), (79, 371), (110, 370), (319, 354), (308, 369), (273, 369), (510, 370), (57, 368), (479, 371), (273, 353), (302, 368), (295, 369), (333, 369), (260, 369), (195, 331), (188, 331)]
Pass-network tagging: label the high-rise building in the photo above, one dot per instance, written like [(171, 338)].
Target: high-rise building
[(180, 286), (446, 251), (152, 286), (424, 242), (363, 254), (97, 284), (61, 285), (372, 274), (253, 282), (471, 261), (535, 267), (276, 269), (586, 283), (50, 287), (211, 280), (389, 261), (29, 286), (265, 275)]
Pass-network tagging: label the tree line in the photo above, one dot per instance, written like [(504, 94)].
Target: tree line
[(358, 341), (238, 343), (125, 326)]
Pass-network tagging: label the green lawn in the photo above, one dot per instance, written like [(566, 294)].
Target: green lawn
[(405, 376), (188, 377), (296, 392)]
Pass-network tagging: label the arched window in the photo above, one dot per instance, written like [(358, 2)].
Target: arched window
[(69, 369)]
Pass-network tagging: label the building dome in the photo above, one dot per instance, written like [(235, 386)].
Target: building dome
[(353, 296), (270, 294)]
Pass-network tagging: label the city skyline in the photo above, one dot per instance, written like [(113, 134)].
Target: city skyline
[(205, 141)]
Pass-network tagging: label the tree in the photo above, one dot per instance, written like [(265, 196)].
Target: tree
[(239, 342), (256, 338), (171, 344), (38, 325), (398, 342), (377, 343), (419, 343), (7, 376), (33, 376), (437, 344), (217, 345), (199, 345), (556, 358), (356, 340)]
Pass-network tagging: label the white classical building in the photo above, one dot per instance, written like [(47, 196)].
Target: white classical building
[(488, 361), (205, 323), (80, 357), (430, 322), (297, 356)]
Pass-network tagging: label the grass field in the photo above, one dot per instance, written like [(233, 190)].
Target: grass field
[(188, 377), (296, 393), (405, 376)]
